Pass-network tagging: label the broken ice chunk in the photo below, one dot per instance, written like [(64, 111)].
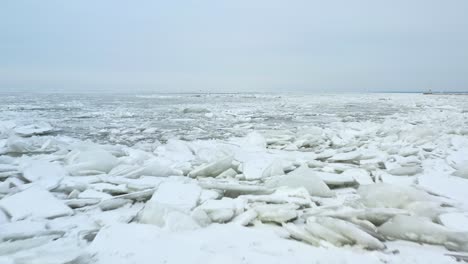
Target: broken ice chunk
[(302, 177), (336, 180), (274, 169), (461, 169), (34, 202), (283, 195), (427, 209), (43, 173), (361, 176), (112, 204), (245, 218), (253, 141), (26, 229), (346, 156), (177, 221), (34, 129), (195, 109), (325, 233), (235, 187), (298, 232), (93, 194), (408, 171), (10, 247), (212, 169), (455, 221), (408, 151), (91, 160), (160, 168), (8, 168), (128, 171), (78, 203), (229, 173), (279, 213), (391, 196), (3, 217), (209, 195), (351, 232), (219, 211), (170, 196), (420, 229)]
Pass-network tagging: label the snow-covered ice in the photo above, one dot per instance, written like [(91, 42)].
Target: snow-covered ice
[(233, 178), (33, 202)]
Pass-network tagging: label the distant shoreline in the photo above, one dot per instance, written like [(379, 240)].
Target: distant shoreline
[(461, 93)]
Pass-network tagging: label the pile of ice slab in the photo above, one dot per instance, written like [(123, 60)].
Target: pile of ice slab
[(367, 192)]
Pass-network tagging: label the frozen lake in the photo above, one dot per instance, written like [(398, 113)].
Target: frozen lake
[(130, 118), (233, 178)]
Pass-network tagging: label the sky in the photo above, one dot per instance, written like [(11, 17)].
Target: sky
[(234, 46)]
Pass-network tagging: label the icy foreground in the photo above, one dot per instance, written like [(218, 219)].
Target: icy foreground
[(388, 190)]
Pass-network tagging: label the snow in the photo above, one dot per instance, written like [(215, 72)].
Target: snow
[(136, 243)]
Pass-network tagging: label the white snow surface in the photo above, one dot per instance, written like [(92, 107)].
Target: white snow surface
[(241, 178)]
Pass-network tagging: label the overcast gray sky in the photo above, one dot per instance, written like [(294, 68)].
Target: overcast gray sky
[(238, 45)]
